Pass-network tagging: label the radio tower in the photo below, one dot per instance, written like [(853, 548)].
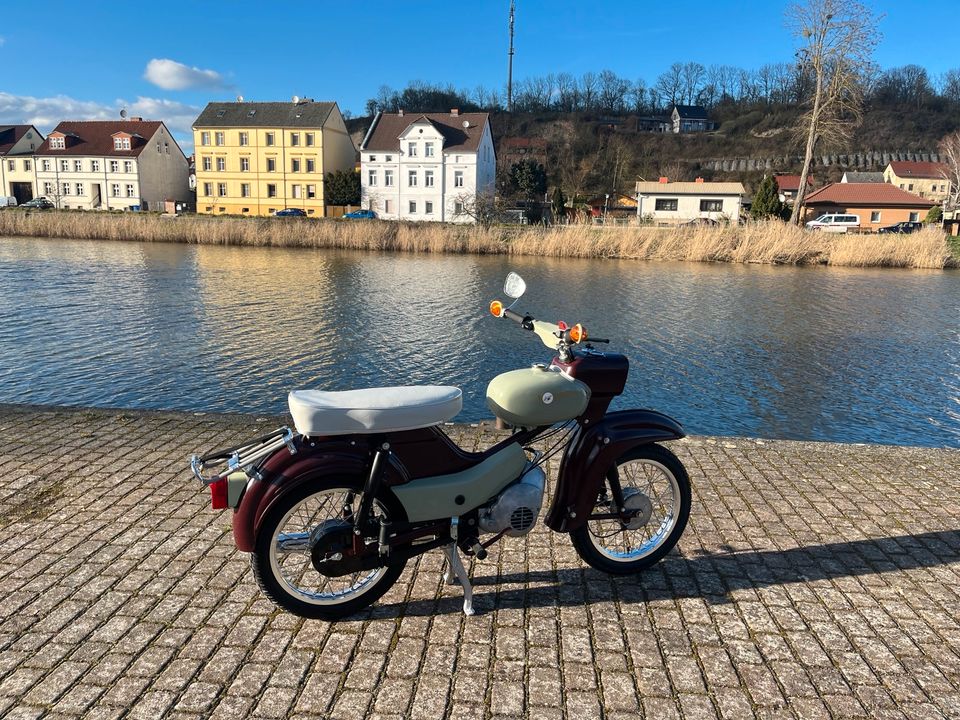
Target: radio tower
[(510, 64)]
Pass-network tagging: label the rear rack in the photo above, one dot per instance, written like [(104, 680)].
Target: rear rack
[(241, 457)]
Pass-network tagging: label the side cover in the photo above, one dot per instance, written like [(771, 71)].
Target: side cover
[(593, 452)]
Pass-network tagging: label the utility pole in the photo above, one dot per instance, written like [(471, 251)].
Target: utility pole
[(510, 63)]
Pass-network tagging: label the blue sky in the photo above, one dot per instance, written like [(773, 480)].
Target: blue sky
[(166, 61)]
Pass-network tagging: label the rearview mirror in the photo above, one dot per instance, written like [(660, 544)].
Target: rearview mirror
[(514, 286)]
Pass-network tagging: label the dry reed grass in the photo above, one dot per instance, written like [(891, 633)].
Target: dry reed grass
[(770, 242)]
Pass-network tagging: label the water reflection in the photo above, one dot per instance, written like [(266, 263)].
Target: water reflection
[(809, 353)]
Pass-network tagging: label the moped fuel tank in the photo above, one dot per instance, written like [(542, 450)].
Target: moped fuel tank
[(536, 396)]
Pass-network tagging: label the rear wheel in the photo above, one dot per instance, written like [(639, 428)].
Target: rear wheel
[(312, 527), (655, 485)]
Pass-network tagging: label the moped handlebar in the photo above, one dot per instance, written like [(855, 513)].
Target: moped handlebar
[(524, 320)]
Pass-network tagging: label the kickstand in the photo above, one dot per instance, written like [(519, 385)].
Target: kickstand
[(455, 569)]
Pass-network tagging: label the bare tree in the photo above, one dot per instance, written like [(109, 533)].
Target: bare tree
[(669, 85), (949, 149), (950, 85), (837, 39), (693, 75)]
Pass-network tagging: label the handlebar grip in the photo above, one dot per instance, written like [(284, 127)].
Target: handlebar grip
[(515, 316)]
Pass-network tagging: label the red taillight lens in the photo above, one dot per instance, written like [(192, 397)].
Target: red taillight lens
[(218, 494)]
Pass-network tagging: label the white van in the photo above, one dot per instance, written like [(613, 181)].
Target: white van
[(8, 201), (834, 222)]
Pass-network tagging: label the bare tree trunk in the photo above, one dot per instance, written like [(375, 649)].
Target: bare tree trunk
[(796, 217)]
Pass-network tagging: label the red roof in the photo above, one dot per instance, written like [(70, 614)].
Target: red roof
[(95, 137), (791, 183), (908, 169), (865, 195)]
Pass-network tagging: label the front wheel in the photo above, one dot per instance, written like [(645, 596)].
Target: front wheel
[(656, 487), (311, 527)]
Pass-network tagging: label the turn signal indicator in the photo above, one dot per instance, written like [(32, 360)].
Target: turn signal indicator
[(496, 308), (577, 333)]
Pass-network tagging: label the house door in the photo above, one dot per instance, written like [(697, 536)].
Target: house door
[(97, 194), (22, 191)]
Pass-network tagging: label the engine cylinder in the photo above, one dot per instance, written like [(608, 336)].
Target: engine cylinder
[(515, 510)]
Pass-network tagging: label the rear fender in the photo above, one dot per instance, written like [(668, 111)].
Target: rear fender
[(283, 472), (587, 459)]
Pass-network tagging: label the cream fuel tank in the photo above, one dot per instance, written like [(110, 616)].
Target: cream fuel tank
[(536, 396)]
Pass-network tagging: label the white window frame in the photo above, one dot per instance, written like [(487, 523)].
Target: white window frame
[(458, 178), (428, 207), (412, 207), (205, 138), (372, 178), (79, 189), (428, 149), (114, 166), (311, 165), (294, 139), (219, 138), (294, 165), (46, 166), (221, 164), (244, 189), (206, 163), (128, 166), (114, 189), (58, 143), (94, 166), (131, 190), (388, 178), (244, 164), (411, 149), (428, 178), (64, 166), (78, 165), (221, 189), (411, 178), (208, 189), (244, 139)]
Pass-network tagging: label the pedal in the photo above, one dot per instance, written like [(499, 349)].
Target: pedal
[(455, 568)]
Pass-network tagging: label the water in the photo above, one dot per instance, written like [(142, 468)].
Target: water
[(775, 352)]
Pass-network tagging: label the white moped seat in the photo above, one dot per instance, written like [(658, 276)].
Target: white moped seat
[(373, 410)]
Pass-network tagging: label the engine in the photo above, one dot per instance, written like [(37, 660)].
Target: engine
[(515, 510)]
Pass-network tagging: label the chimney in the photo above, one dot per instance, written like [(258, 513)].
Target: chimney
[(454, 111), (699, 180), (136, 119), (664, 180)]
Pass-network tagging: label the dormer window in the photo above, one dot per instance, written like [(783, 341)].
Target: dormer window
[(121, 143), (58, 143)]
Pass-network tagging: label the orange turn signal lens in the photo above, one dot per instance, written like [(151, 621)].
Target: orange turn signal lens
[(577, 333), (496, 308)]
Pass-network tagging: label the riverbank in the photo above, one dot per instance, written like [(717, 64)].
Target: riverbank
[(814, 580), (770, 242)]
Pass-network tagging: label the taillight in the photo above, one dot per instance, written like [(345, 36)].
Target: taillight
[(218, 494)]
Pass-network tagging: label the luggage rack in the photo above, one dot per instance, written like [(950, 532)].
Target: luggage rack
[(241, 457)]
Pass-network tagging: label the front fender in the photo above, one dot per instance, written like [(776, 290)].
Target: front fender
[(283, 472), (587, 459)]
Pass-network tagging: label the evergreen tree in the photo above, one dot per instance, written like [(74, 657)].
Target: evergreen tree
[(558, 203), (342, 187), (766, 202)]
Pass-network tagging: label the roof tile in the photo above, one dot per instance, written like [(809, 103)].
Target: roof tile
[(390, 126), (866, 195)]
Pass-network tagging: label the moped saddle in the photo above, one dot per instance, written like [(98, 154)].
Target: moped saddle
[(373, 410)]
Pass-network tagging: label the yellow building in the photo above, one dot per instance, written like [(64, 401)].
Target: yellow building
[(254, 158), (926, 179)]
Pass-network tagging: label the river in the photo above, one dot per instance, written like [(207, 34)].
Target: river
[(806, 353)]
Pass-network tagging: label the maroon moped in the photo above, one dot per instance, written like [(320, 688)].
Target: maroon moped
[(332, 510)]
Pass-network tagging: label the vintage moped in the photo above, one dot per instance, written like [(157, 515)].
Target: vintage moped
[(332, 510)]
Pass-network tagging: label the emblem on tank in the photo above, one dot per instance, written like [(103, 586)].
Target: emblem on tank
[(547, 398)]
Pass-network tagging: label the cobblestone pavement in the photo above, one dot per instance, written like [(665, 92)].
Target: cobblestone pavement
[(814, 581)]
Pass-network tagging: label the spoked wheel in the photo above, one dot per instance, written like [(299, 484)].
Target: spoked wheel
[(656, 487), (304, 560)]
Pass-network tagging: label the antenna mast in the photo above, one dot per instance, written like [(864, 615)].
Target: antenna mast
[(510, 64)]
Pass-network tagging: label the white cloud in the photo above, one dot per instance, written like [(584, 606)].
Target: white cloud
[(2, 40), (45, 113), (171, 75)]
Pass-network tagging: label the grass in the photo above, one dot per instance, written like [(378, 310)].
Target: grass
[(769, 242)]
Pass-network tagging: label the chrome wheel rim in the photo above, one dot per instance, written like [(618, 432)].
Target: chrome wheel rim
[(613, 539), (290, 545)]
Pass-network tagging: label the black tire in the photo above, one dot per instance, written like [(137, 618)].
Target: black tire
[(273, 578), (587, 538)]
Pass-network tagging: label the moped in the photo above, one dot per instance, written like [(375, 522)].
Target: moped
[(332, 510)]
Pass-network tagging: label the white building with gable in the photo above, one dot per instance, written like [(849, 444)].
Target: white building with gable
[(427, 166)]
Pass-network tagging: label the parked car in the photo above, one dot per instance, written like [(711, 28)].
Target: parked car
[(291, 212), (7, 201), (38, 203), (834, 222), (360, 215), (907, 226)]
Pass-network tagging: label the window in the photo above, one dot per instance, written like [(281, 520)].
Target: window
[(294, 139), (205, 138), (311, 191), (309, 139), (221, 164), (388, 178), (388, 206), (207, 163), (428, 207), (413, 207), (46, 166), (127, 166), (311, 165), (57, 143), (79, 188), (244, 189), (428, 178), (914, 217), (115, 190), (910, 187), (271, 190), (218, 138), (295, 165), (269, 138), (373, 158), (121, 143), (295, 191), (64, 166), (372, 178), (222, 189), (11, 165), (458, 178), (271, 164), (130, 190), (244, 164), (48, 188), (65, 188), (412, 149), (94, 166), (244, 139), (207, 189), (666, 205), (458, 208), (428, 149), (388, 158), (711, 206), (412, 178), (77, 166), (114, 166), (875, 216)]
